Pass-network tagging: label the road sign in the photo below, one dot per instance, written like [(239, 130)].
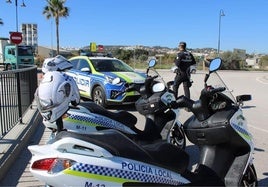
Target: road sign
[(16, 37), (93, 47)]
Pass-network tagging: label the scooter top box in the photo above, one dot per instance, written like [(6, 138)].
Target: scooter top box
[(213, 130), (149, 105)]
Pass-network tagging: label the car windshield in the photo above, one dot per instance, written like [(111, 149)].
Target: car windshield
[(110, 65), (25, 51)]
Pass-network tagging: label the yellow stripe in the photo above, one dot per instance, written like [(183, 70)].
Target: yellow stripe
[(84, 94), (97, 177), (244, 135), (81, 122)]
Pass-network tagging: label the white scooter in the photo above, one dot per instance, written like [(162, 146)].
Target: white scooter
[(109, 158)]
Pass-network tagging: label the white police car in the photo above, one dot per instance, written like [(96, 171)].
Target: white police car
[(104, 79)]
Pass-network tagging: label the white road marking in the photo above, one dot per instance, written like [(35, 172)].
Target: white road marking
[(257, 128), (260, 79)]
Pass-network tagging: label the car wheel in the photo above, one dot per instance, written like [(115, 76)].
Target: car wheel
[(98, 96), (193, 71)]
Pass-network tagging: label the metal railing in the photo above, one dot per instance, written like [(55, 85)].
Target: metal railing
[(17, 88)]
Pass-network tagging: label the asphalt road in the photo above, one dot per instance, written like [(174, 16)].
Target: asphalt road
[(254, 83)]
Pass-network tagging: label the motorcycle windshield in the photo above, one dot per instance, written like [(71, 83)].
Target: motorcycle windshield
[(216, 82)]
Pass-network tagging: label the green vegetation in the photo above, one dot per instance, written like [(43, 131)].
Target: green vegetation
[(56, 9), (138, 58), (264, 62)]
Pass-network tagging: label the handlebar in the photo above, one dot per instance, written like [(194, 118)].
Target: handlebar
[(210, 91), (200, 108)]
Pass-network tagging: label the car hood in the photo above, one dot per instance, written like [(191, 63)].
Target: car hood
[(130, 77)]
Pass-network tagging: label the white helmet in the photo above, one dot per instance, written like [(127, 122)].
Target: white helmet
[(58, 63), (54, 94)]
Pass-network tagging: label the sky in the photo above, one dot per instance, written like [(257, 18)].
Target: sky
[(148, 22)]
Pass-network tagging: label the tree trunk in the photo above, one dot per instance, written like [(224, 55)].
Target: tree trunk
[(57, 35)]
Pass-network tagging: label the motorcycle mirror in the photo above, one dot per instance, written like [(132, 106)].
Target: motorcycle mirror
[(241, 98), (158, 87), (116, 80), (215, 64), (152, 63)]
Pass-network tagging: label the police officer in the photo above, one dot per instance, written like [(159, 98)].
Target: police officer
[(183, 61)]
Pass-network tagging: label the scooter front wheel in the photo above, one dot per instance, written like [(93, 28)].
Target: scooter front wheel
[(177, 137), (250, 177)]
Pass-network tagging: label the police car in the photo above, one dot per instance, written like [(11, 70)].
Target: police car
[(104, 79)]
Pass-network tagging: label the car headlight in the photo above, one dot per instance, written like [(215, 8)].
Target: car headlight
[(113, 80)]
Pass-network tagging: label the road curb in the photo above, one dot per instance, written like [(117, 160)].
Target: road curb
[(17, 139)]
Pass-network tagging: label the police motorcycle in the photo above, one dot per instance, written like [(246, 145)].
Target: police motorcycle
[(86, 117), (162, 122), (110, 158)]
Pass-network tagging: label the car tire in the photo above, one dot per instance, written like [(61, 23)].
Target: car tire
[(98, 96), (193, 71)]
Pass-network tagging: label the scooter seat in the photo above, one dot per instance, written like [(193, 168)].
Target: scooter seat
[(121, 116), (113, 141), (159, 153)]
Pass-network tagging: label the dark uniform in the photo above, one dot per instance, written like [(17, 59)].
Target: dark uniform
[(183, 61)]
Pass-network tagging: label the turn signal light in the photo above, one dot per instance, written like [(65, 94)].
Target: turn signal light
[(53, 165)]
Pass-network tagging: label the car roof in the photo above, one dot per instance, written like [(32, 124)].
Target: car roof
[(100, 57), (92, 57)]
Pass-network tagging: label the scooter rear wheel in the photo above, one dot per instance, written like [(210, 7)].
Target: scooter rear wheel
[(250, 177)]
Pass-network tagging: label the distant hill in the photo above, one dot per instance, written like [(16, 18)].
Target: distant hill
[(154, 48)]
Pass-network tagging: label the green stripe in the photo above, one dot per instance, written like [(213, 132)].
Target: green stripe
[(98, 73), (84, 94), (97, 177), (125, 77), (81, 122), (244, 135)]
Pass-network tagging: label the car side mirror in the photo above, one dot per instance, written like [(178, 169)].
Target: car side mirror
[(86, 70)]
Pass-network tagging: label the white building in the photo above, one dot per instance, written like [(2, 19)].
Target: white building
[(29, 35)]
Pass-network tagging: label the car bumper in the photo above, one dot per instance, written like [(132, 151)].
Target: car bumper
[(130, 99)]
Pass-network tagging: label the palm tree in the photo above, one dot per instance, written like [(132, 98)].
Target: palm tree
[(56, 9)]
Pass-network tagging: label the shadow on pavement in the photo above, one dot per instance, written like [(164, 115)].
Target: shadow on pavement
[(18, 168)]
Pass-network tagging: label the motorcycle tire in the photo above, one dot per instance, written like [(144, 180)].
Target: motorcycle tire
[(177, 137), (250, 178)]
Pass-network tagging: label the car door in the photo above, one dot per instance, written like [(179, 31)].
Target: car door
[(84, 77), (81, 72)]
